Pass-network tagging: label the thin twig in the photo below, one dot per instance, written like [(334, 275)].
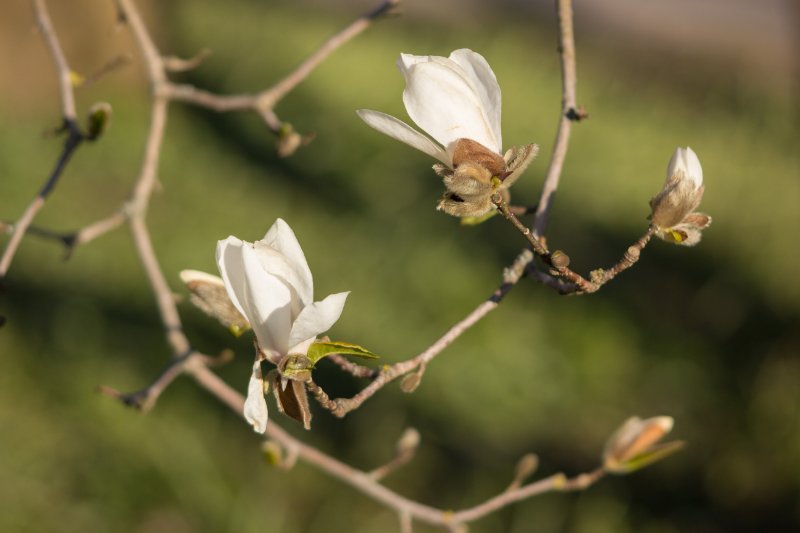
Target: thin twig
[(391, 372), (98, 228), (558, 261), (146, 398), (177, 64), (569, 113), (264, 102), (62, 67), (366, 484), (73, 140), (269, 98), (354, 369)]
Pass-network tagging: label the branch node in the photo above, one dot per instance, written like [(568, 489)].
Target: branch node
[(576, 114)]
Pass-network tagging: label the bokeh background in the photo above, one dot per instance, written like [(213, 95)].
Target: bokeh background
[(708, 335)]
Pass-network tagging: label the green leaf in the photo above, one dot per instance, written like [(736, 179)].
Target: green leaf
[(648, 457), (320, 350)]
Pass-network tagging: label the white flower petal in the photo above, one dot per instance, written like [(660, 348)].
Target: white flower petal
[(397, 129), (440, 99), (268, 301), (188, 276), (316, 318), (484, 82), (231, 268), (693, 168), (255, 406), (684, 161), (263, 299), (282, 239), (407, 61), (275, 263)]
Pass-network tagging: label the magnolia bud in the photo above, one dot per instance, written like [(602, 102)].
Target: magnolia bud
[(408, 442), (98, 120), (633, 445), (673, 208)]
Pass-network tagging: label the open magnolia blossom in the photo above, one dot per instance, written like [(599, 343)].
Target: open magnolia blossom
[(673, 209), (270, 284), (456, 100)]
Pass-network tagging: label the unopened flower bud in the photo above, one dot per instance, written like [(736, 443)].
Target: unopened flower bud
[(273, 452), (633, 445), (408, 442), (98, 120), (673, 208), (410, 382), (526, 466)]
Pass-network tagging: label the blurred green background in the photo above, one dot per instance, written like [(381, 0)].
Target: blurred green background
[(708, 335)]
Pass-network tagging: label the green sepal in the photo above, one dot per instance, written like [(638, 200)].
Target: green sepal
[(238, 329), (474, 221), (320, 350), (648, 457)]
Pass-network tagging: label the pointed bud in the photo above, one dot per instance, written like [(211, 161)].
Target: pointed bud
[(673, 208), (289, 140), (634, 444), (273, 452), (526, 467), (411, 381), (98, 120), (408, 442)]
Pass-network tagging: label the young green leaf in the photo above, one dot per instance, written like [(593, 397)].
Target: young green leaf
[(320, 350)]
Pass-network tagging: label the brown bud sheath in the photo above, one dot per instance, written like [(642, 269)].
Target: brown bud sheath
[(475, 152)]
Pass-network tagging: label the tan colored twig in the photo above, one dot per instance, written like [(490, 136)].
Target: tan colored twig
[(363, 482), (74, 136), (405, 450), (146, 398), (163, 91), (265, 101), (569, 113), (355, 369), (558, 261), (62, 67), (391, 372)]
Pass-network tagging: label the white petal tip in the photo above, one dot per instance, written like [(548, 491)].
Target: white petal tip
[(188, 276)]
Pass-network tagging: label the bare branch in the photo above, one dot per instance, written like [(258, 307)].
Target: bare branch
[(263, 103), (389, 373), (569, 113), (269, 98), (74, 135), (177, 64), (363, 482), (62, 67), (404, 452), (146, 398), (558, 261), (359, 371)]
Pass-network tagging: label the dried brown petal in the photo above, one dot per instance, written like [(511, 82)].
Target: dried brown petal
[(292, 400)]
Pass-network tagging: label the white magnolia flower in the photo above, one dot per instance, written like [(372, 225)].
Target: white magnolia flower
[(456, 100), (270, 284), (450, 98), (673, 209)]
